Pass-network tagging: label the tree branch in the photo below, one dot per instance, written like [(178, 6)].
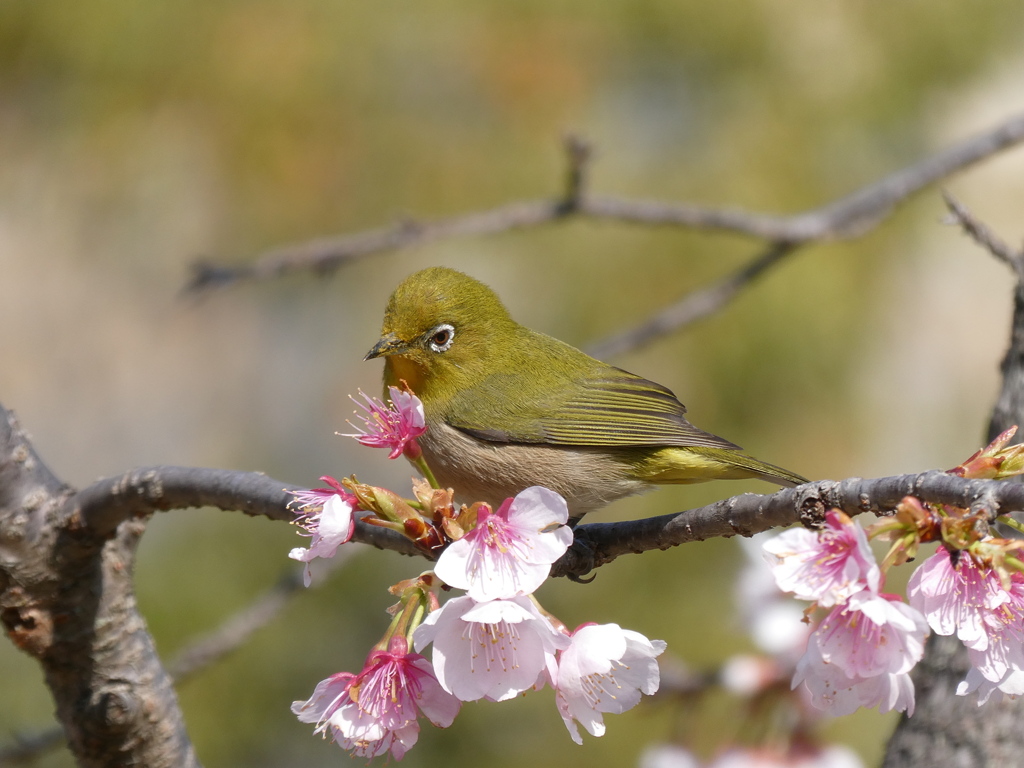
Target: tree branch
[(846, 217), (207, 649), (30, 747), (695, 306), (66, 598), (107, 503), (160, 488), (983, 236)]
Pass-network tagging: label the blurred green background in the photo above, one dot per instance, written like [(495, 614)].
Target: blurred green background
[(138, 137)]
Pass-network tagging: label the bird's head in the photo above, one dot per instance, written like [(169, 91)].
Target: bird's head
[(441, 331)]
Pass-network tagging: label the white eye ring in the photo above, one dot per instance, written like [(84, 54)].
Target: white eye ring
[(441, 337)]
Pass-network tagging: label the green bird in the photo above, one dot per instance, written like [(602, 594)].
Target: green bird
[(507, 408)]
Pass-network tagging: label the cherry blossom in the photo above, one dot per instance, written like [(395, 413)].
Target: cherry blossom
[(329, 527), (861, 654), (395, 426), (314, 498), (839, 694), (960, 598), (377, 710), (510, 551), (1011, 684), (827, 566), (605, 669), (999, 666), (494, 650), (872, 634)]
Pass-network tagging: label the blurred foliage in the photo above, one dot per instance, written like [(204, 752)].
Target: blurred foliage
[(136, 137)]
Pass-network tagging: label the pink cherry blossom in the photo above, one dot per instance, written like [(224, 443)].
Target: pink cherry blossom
[(957, 598), (827, 566), (510, 551), (1011, 684), (395, 426), (494, 650), (328, 695), (872, 634), (999, 666), (377, 710), (861, 655), (329, 527), (838, 694), (605, 669), (311, 499)]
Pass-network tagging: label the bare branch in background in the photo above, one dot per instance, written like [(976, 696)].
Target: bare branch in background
[(847, 217), (984, 236), (29, 747), (206, 650), (694, 306)]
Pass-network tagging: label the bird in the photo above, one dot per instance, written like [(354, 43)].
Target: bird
[(507, 407)]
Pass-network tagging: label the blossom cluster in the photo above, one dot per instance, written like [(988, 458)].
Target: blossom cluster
[(862, 651), (494, 642)]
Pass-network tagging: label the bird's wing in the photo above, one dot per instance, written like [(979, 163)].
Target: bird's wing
[(600, 407)]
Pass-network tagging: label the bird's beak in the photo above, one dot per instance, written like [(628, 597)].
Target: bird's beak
[(389, 344)]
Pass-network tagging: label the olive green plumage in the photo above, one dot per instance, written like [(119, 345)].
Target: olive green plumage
[(508, 407)]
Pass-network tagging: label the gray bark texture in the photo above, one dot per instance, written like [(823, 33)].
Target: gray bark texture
[(66, 598)]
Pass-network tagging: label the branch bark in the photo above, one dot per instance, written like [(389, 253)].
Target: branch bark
[(66, 598)]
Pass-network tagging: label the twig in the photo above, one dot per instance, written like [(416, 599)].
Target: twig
[(847, 217), (578, 152), (983, 235), (693, 307)]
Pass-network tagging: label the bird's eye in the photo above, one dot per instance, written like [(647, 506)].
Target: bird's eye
[(442, 337)]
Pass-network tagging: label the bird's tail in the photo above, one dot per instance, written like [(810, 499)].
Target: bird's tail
[(695, 464)]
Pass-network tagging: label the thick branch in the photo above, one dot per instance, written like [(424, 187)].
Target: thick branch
[(66, 598), (106, 503), (599, 543), (158, 488)]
